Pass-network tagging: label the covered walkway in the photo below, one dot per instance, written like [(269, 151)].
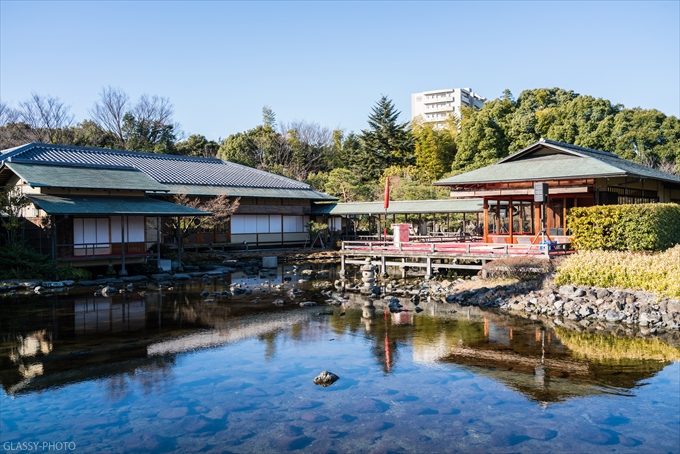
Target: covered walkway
[(429, 219)]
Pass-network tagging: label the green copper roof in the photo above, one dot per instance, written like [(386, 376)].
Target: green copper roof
[(42, 175), (550, 160), (400, 207), (197, 190), (107, 206)]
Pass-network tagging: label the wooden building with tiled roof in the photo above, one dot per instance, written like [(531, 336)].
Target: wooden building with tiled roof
[(91, 192), (576, 177)]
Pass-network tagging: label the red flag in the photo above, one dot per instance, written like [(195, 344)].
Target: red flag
[(387, 193)]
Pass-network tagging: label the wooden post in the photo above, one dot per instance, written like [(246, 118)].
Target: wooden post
[(123, 221), (403, 268), (428, 269), (383, 266), (342, 263), (158, 242), (53, 239), (486, 221), (510, 219)]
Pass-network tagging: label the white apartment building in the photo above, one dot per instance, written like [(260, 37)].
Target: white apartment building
[(437, 106)]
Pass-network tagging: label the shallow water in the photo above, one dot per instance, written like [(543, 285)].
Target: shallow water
[(169, 372)]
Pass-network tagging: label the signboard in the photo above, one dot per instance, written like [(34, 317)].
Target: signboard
[(540, 192)]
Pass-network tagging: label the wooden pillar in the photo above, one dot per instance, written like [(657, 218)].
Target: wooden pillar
[(53, 237), (428, 269), (510, 219), (158, 242), (537, 218), (383, 266), (486, 221), (123, 221)]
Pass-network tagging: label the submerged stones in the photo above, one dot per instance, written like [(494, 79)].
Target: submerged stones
[(325, 378)]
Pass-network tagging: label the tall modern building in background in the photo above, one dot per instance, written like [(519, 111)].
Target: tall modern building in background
[(437, 106)]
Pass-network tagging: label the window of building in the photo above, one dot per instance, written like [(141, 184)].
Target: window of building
[(633, 196), (268, 223)]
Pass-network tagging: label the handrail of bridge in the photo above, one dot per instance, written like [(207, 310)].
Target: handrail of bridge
[(453, 248)]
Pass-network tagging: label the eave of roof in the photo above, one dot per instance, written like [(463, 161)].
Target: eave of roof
[(107, 206), (277, 193), (400, 207), (69, 176)]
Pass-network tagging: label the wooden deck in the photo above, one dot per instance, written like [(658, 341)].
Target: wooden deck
[(432, 255)]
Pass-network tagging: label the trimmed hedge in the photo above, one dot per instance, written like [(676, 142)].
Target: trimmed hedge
[(643, 227), (655, 272)]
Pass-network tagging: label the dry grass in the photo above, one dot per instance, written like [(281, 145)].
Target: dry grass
[(654, 272)]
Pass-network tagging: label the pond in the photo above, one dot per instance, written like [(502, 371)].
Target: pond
[(173, 371)]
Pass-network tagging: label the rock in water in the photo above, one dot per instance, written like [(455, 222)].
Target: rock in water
[(325, 378), (109, 290)]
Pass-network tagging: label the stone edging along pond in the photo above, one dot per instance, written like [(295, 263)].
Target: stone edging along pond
[(585, 307)]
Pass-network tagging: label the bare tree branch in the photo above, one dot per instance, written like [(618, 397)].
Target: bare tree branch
[(153, 109), (7, 114), (109, 111), (46, 115)]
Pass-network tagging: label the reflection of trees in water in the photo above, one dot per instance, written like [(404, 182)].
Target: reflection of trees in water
[(151, 376), (269, 340), (610, 349)]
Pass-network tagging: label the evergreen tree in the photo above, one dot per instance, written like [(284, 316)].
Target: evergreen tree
[(386, 141)]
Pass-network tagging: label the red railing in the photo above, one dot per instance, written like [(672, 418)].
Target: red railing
[(448, 248)]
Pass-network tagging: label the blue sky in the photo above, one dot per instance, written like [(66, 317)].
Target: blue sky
[(328, 62)]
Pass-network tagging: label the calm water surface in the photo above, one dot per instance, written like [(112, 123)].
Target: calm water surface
[(170, 372)]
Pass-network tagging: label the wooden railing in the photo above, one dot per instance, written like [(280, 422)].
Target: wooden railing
[(97, 250), (447, 248)]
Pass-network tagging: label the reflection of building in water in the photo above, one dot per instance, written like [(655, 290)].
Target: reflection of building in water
[(402, 318), (28, 349), (527, 358), (101, 314), (62, 342)]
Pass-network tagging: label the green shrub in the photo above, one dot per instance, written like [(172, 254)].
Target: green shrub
[(655, 272), (76, 274), (18, 261), (643, 227)]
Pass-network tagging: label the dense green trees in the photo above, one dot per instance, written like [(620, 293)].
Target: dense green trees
[(504, 125), (353, 166)]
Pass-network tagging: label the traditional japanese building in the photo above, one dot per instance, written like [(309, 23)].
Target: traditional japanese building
[(99, 204), (576, 177)]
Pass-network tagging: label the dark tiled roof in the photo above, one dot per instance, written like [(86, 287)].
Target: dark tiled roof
[(171, 169)]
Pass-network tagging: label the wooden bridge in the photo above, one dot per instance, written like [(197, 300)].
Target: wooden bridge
[(432, 255)]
